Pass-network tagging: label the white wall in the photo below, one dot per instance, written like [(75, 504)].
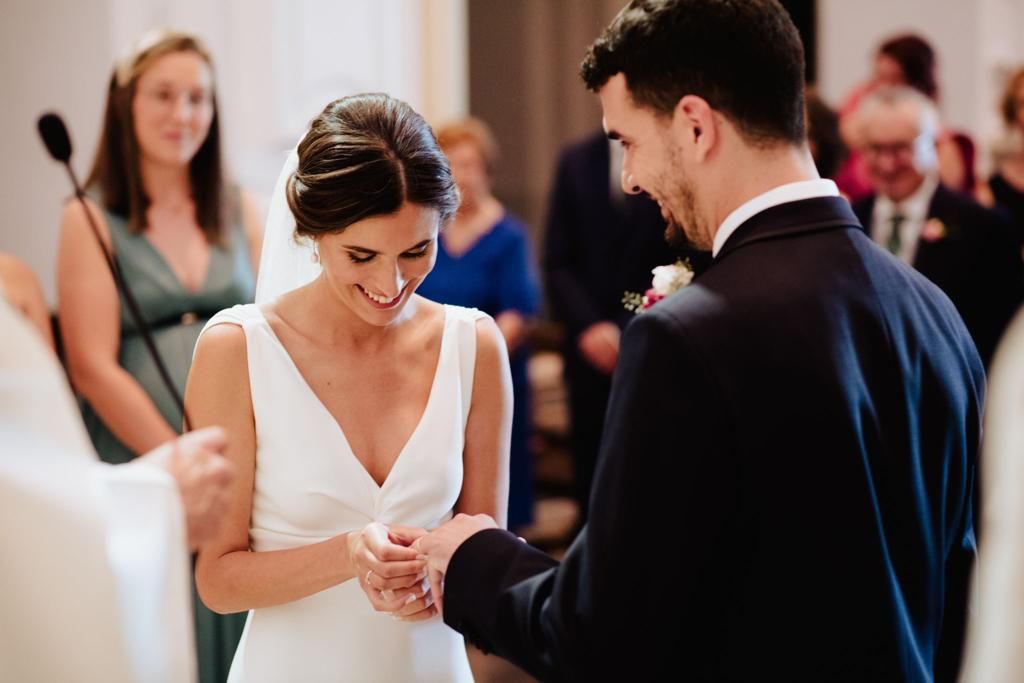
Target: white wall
[(48, 63), (977, 41), (277, 64)]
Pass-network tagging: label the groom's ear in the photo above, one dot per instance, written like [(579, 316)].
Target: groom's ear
[(695, 127)]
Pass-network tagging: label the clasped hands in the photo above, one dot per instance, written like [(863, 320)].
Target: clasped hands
[(401, 569), (392, 574)]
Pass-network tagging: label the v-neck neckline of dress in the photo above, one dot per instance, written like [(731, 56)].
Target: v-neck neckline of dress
[(378, 486)]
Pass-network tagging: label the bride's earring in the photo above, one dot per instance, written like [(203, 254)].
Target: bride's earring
[(315, 256)]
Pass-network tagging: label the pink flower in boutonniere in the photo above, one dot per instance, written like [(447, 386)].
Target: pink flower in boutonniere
[(933, 230), (667, 279)]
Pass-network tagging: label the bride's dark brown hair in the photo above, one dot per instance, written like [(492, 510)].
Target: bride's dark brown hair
[(366, 155)]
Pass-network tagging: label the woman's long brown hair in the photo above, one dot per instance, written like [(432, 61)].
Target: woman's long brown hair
[(116, 172)]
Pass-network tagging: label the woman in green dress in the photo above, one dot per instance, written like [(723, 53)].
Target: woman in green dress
[(187, 246)]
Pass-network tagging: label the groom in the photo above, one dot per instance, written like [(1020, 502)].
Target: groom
[(783, 489)]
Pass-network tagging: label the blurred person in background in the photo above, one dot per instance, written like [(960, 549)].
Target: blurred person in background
[(967, 250), (20, 286), (1005, 187), (600, 243), (823, 138), (186, 242), (904, 60), (484, 261)]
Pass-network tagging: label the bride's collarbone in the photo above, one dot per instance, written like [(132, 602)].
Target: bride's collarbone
[(384, 387), (379, 382)]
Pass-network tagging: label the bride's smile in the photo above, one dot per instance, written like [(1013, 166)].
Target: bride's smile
[(380, 300), (375, 265)]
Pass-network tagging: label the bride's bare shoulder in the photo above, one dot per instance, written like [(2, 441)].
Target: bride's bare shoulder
[(224, 340), (219, 366)]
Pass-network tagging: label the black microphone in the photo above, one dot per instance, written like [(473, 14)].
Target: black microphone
[(55, 137), (58, 144)]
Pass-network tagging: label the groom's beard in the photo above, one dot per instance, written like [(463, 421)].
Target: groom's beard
[(677, 239), (685, 231)]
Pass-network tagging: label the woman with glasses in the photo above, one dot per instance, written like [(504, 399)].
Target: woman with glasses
[(187, 244)]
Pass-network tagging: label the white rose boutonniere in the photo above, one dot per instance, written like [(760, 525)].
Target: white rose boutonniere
[(667, 279)]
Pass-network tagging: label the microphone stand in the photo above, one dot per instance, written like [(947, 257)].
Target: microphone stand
[(129, 299)]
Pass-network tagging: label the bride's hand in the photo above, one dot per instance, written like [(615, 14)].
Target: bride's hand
[(418, 603), (388, 572)]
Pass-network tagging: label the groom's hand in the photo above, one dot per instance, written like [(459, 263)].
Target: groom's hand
[(439, 545)]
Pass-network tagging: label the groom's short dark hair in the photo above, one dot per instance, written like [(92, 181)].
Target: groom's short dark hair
[(743, 56)]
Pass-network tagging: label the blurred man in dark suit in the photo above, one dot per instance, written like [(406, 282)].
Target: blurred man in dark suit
[(967, 250), (600, 243)]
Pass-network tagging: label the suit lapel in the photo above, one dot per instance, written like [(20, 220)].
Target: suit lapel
[(865, 211), (938, 255), (790, 219)]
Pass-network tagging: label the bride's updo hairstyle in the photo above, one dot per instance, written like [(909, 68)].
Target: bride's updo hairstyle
[(366, 155)]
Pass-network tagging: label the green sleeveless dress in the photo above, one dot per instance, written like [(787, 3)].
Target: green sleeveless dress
[(176, 317)]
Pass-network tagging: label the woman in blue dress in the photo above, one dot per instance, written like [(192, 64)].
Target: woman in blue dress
[(483, 261)]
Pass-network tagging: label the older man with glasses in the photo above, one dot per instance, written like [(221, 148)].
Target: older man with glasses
[(965, 249)]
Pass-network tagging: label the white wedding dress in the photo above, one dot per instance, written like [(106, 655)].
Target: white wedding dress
[(309, 486)]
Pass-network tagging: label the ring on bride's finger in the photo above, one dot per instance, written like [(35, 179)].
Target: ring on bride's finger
[(367, 579)]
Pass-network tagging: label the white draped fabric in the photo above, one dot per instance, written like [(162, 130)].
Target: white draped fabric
[(995, 641), (286, 263), (94, 566)]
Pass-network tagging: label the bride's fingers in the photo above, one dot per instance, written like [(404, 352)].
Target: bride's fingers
[(400, 601), (392, 552), (366, 560), (422, 615), (404, 535), (379, 602), (405, 581), (379, 544), (436, 581), (394, 570), (412, 604)]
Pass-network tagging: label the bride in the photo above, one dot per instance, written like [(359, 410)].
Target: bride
[(358, 413)]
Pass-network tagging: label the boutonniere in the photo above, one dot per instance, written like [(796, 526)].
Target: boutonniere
[(933, 230), (667, 279)]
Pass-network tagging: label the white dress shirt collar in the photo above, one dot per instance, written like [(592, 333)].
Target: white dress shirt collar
[(914, 210), (783, 194)]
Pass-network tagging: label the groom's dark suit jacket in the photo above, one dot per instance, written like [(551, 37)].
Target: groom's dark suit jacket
[(783, 490)]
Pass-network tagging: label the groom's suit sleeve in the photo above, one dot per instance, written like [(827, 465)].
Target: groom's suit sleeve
[(663, 490)]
